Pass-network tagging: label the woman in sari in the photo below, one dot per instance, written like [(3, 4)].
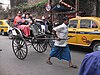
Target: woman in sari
[(19, 22)]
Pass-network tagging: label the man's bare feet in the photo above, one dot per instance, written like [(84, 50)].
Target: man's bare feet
[(49, 62), (73, 66)]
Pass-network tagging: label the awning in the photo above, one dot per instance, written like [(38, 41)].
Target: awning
[(60, 8)]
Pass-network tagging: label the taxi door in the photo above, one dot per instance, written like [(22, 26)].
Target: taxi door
[(85, 31), (73, 24)]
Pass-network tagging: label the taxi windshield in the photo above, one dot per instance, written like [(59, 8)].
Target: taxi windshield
[(7, 22)]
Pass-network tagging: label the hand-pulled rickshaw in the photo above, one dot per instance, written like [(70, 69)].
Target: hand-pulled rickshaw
[(38, 39)]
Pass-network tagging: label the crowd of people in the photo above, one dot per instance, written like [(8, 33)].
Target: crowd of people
[(26, 20)]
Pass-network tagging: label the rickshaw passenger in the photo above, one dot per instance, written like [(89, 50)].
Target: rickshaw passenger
[(18, 22), (35, 28), (27, 19)]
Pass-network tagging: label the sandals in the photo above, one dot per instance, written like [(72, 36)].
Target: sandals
[(49, 62), (73, 66)]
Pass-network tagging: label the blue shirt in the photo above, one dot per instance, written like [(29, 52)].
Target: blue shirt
[(91, 64)]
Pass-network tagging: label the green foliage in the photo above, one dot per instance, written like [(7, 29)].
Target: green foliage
[(41, 4), (23, 6), (26, 6)]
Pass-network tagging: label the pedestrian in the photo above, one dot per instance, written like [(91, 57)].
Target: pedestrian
[(50, 25), (24, 13), (32, 18), (60, 49), (91, 64), (45, 23)]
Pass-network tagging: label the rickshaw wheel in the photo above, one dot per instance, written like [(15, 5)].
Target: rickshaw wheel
[(20, 48), (39, 45)]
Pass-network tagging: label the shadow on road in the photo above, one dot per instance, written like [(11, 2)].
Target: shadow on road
[(80, 49)]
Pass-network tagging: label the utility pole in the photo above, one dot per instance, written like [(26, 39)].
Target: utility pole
[(97, 7), (77, 7), (51, 13)]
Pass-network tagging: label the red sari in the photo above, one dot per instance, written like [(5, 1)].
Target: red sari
[(24, 28)]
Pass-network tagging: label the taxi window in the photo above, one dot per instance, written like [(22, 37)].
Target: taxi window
[(73, 24), (1, 23), (85, 23)]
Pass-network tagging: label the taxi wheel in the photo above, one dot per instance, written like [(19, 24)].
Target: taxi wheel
[(96, 46), (2, 33), (10, 35)]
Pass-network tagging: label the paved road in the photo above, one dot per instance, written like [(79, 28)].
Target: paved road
[(35, 63)]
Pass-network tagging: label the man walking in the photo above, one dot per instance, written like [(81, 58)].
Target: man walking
[(60, 49)]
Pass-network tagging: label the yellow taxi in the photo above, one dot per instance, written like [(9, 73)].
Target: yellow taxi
[(4, 27), (85, 31)]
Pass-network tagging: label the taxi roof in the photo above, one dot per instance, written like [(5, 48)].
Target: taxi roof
[(78, 17), (4, 20), (96, 19)]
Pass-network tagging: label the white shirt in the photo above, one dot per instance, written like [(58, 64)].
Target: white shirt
[(62, 33)]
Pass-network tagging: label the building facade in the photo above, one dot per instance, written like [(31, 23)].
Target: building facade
[(90, 7), (5, 4)]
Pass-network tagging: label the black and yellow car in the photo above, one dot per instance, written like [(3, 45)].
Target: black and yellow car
[(85, 31), (4, 27)]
